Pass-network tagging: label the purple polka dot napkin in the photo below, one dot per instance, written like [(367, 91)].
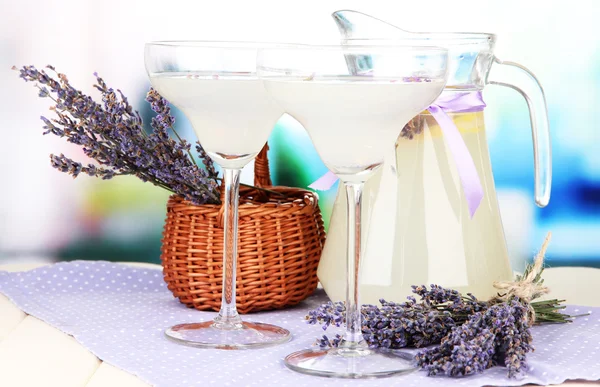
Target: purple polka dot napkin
[(120, 312)]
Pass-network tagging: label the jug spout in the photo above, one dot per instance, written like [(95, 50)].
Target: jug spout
[(469, 54), (354, 24)]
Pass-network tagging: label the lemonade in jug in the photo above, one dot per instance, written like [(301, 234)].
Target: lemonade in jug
[(430, 221)]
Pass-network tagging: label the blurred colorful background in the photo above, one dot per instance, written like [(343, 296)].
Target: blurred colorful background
[(47, 216)]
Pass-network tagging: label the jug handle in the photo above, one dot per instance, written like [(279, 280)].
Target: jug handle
[(503, 73)]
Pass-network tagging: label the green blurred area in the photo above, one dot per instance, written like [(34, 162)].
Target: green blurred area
[(127, 217), (294, 162), (125, 193), (139, 250)]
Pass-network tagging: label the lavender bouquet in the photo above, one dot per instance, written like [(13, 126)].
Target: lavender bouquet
[(470, 335), (111, 133)]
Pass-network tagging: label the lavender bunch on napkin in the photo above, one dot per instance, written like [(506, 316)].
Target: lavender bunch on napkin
[(470, 335)]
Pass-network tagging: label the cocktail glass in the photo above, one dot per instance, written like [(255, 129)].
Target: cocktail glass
[(216, 86), (353, 101)]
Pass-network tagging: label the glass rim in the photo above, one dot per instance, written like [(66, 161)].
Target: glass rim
[(219, 44), (448, 38), (395, 44), (402, 43)]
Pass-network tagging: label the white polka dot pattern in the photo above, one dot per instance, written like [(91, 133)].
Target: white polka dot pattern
[(119, 313)]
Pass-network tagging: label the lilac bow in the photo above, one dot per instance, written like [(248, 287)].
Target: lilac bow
[(447, 103)]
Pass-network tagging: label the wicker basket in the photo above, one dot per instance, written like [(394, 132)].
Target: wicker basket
[(279, 246)]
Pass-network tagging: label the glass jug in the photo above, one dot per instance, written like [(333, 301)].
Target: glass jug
[(421, 230)]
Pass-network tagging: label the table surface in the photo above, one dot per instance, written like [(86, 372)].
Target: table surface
[(32, 353)]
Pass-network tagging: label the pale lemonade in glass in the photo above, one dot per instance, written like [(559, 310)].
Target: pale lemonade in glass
[(352, 123), (231, 115)]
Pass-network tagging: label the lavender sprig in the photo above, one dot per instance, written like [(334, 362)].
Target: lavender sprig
[(413, 128), (111, 133), (207, 161), (164, 120), (66, 165)]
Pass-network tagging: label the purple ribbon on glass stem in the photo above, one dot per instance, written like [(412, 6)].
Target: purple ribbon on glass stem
[(465, 102)]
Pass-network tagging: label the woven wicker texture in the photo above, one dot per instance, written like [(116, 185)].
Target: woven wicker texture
[(279, 245)]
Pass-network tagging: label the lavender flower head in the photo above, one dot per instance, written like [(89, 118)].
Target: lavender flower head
[(500, 335)]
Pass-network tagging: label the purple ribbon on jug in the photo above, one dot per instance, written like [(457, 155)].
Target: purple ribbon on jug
[(465, 102)]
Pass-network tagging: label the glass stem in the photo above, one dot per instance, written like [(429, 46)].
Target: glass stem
[(228, 317), (353, 338)]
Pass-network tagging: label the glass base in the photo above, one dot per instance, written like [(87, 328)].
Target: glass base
[(249, 335), (351, 364)]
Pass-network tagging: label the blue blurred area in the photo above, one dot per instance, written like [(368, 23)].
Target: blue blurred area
[(573, 214)]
